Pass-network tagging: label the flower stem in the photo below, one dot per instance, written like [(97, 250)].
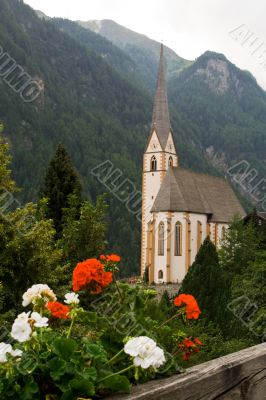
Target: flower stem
[(117, 373), (114, 357), (168, 320), (117, 287), (70, 328)]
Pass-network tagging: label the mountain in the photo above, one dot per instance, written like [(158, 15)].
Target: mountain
[(226, 112), (143, 50), (85, 104), (110, 53), (91, 103)]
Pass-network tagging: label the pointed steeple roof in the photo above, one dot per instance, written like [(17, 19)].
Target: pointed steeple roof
[(160, 119)]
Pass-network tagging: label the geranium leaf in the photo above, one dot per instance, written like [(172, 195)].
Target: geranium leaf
[(64, 347), (117, 383)]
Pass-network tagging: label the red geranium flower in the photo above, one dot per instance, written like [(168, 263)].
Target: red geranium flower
[(192, 308), (197, 341), (58, 310), (90, 274), (113, 258), (189, 346)]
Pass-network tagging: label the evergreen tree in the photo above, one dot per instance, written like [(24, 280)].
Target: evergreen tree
[(239, 247), (207, 282), (83, 233), (60, 182), (6, 183)]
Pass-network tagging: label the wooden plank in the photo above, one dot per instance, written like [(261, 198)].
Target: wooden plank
[(237, 376)]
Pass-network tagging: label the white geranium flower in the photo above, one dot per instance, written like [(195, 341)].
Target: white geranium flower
[(7, 348), (71, 298), (145, 352), (21, 330), (40, 322), (37, 292), (140, 344), (24, 316), (16, 353)]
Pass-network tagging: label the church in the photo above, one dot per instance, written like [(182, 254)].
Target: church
[(180, 208)]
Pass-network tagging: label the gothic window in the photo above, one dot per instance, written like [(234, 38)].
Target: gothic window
[(153, 163), (223, 233), (199, 234), (178, 239), (160, 274), (170, 161), (161, 239)]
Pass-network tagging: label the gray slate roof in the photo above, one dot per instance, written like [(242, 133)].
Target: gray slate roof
[(262, 215), (183, 190), (160, 119)]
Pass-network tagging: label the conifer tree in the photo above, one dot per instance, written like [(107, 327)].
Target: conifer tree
[(207, 282), (6, 182), (60, 182)]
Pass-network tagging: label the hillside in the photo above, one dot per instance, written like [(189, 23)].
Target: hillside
[(227, 111), (110, 53), (86, 105), (143, 50), (92, 105)]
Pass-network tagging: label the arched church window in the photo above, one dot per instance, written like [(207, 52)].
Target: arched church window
[(178, 239), (160, 274), (153, 163), (199, 234), (170, 161), (161, 239)]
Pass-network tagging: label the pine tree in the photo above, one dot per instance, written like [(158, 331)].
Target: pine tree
[(60, 182), (6, 183), (207, 282)]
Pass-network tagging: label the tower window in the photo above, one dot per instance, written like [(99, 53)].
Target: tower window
[(161, 239), (153, 163), (160, 274), (170, 161), (178, 239)]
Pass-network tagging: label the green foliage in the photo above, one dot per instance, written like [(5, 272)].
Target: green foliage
[(208, 283), (6, 182), (239, 247), (61, 181), (27, 254), (249, 296), (84, 231)]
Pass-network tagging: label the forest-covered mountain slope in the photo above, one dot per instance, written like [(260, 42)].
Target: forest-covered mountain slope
[(110, 53), (143, 50), (86, 105), (99, 113), (227, 111)]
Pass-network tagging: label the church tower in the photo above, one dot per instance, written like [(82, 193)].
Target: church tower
[(160, 153)]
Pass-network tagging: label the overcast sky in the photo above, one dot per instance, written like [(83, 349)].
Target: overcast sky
[(190, 27)]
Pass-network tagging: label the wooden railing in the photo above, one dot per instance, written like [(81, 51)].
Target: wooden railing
[(237, 376)]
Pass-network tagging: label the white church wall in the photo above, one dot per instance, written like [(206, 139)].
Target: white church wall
[(178, 263), (220, 231), (194, 219), (160, 261)]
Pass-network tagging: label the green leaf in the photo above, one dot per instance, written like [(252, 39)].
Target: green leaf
[(57, 368), (89, 373), (94, 351), (82, 387), (117, 383), (64, 347), (78, 388), (29, 390)]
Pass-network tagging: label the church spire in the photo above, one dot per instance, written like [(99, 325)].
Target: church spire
[(160, 119)]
